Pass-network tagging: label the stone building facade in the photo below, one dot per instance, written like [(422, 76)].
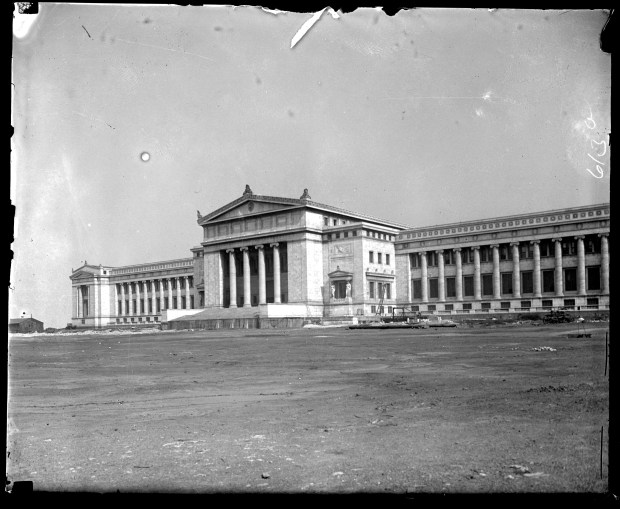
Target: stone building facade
[(269, 258)]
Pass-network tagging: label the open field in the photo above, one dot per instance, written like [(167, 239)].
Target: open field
[(314, 410)]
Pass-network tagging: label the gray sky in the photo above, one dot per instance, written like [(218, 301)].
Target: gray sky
[(426, 117)]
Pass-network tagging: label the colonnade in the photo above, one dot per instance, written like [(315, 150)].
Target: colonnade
[(516, 270), (146, 290), (262, 279)]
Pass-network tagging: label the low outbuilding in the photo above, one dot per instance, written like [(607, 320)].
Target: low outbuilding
[(24, 325)]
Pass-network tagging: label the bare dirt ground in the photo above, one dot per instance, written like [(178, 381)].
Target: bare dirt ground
[(330, 410)]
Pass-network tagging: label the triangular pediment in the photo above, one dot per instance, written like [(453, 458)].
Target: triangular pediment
[(82, 274), (340, 274), (248, 206)]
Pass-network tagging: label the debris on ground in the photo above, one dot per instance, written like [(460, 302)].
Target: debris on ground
[(520, 469), (265, 475), (544, 349)]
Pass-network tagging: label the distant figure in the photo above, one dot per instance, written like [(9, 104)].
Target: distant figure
[(305, 196), (348, 289), (247, 190), (333, 288)]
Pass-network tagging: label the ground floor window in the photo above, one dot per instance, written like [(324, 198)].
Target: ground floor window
[(548, 281), (417, 288), (373, 309), (487, 284), (467, 306), (547, 303), (432, 307), (450, 287), (468, 286), (371, 289), (570, 280), (415, 308), (526, 304), (486, 305), (191, 302), (594, 278), (156, 319), (593, 301), (527, 282), (433, 284), (569, 303), (449, 307), (505, 305)]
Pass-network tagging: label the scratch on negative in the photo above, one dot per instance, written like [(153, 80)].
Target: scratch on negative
[(86, 31), (166, 49)]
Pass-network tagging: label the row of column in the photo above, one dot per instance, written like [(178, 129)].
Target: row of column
[(129, 295), (262, 280), (516, 270), (82, 303)]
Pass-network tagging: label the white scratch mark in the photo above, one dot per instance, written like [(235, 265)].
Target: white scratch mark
[(479, 112), (307, 26), (165, 49)]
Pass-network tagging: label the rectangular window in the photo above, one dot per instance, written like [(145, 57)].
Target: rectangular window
[(505, 252), (467, 306), (486, 305), (415, 260), (387, 259), (183, 302), (326, 221), (373, 309), (525, 250), (390, 309), (548, 281), (156, 319), (448, 257), (371, 289), (431, 259), (570, 280), (592, 244), (432, 307), (507, 283), (449, 307), (527, 282), (569, 247), (341, 289), (547, 248), (593, 275), (467, 255), (433, 285), (486, 254), (335, 222), (569, 303), (526, 304), (387, 290), (487, 284), (379, 258), (371, 257), (415, 308), (450, 287), (547, 303), (174, 302), (191, 302), (504, 305), (417, 288), (592, 301), (158, 306), (468, 286)]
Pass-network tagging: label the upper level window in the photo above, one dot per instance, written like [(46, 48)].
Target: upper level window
[(387, 259), (371, 256), (326, 221), (569, 247), (379, 255)]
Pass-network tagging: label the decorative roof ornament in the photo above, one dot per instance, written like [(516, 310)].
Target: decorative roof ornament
[(247, 190), (305, 196), (198, 214)]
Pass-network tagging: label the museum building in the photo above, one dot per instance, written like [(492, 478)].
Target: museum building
[(273, 261)]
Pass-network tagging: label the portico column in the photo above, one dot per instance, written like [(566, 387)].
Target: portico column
[(559, 281), (459, 273), (276, 273), (187, 296), (604, 263), (581, 266), (477, 282), (131, 309), (177, 282), (169, 279), (162, 296), (79, 301), (424, 276), (247, 297), (123, 303), (516, 271), (232, 277), (536, 278), (138, 310), (497, 287), (441, 277), (262, 284)]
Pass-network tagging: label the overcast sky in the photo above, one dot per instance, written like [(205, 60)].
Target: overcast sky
[(426, 117)]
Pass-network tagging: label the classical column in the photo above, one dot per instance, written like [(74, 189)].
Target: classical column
[(477, 282), (581, 266), (138, 310), (232, 277), (262, 282), (604, 263), (497, 281), (277, 291), (458, 280), (123, 303), (177, 282), (424, 276), (79, 301), (247, 297), (559, 280), (146, 297), (162, 296), (131, 309), (441, 280), (516, 271), (170, 295), (536, 277), (187, 293)]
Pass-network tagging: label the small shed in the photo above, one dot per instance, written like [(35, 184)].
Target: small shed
[(22, 325)]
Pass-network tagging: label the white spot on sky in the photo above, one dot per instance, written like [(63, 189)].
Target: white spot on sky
[(479, 112), (145, 156), (487, 96), (89, 225)]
